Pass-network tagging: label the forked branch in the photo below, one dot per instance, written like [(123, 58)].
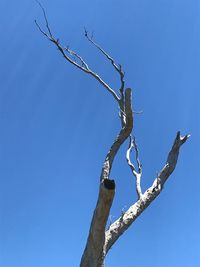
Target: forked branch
[(122, 136), (124, 222), (138, 173), (94, 252), (77, 60), (99, 240)]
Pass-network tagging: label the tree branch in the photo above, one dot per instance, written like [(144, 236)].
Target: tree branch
[(124, 222), (66, 52), (45, 17), (99, 240), (117, 67), (94, 252), (122, 136), (137, 174)]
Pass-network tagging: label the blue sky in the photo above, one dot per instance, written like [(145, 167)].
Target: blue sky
[(58, 123)]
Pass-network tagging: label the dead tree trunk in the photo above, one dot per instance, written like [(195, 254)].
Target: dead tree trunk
[(99, 239)]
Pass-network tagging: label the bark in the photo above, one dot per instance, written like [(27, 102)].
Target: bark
[(126, 130), (99, 240), (124, 222), (94, 252)]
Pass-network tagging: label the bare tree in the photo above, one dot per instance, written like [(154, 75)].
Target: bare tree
[(100, 239)]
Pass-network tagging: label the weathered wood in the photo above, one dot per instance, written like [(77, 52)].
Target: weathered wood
[(99, 240), (124, 222), (94, 254)]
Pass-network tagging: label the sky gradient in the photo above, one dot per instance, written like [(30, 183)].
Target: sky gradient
[(57, 125)]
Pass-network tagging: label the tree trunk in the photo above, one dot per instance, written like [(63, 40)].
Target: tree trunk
[(94, 253)]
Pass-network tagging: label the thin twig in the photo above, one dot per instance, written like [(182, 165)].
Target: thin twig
[(71, 52), (65, 50), (45, 17), (117, 67), (138, 112), (137, 155)]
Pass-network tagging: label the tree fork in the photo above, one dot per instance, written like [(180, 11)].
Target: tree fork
[(99, 239)]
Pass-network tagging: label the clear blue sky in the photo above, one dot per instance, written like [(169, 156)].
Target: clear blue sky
[(57, 125)]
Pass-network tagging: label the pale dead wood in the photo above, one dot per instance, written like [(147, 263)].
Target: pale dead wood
[(118, 67), (67, 53), (94, 252), (137, 174), (99, 239), (124, 222), (93, 255)]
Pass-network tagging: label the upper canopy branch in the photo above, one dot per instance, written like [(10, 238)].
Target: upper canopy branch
[(77, 60), (171, 160), (117, 67)]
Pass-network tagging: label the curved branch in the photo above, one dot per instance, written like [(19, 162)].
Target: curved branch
[(137, 174), (99, 240), (66, 52), (122, 136), (94, 252)]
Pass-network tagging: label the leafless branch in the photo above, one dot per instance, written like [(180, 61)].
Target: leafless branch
[(122, 224), (138, 112), (83, 63), (117, 67), (94, 250), (66, 52), (137, 174), (99, 239), (137, 155), (45, 17), (171, 160), (122, 136)]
